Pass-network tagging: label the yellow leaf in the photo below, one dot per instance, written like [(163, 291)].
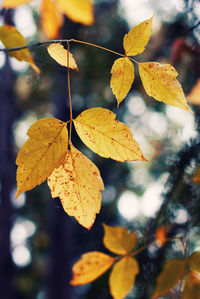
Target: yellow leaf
[(78, 183), (138, 37), (90, 266), (14, 3), (122, 277), (196, 177), (194, 95), (122, 78), (191, 286), (172, 273), (77, 10), (118, 239), (159, 81), (42, 152), (12, 38), (194, 261), (59, 54), (106, 136), (51, 18)]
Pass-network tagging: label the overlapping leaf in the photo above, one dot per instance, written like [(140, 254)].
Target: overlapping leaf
[(14, 3), (194, 261), (42, 152), (138, 37), (78, 183), (191, 286), (194, 95), (122, 277), (118, 239), (122, 78), (12, 38), (91, 266), (106, 136), (172, 273), (59, 54), (159, 81), (51, 18), (77, 10)]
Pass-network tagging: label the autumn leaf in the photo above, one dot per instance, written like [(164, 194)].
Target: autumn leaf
[(118, 239), (191, 286), (194, 95), (196, 177), (194, 261), (51, 18), (59, 54), (138, 37), (122, 277), (106, 136), (90, 266), (161, 237), (159, 81), (14, 3), (42, 152), (172, 273), (77, 10), (12, 38), (122, 78), (78, 183)]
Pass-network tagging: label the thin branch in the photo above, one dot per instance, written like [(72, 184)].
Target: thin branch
[(69, 93)]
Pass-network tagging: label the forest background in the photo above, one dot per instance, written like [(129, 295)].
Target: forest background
[(39, 242)]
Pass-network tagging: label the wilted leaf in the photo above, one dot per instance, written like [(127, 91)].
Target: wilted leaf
[(172, 273), (118, 240), (42, 152), (191, 286), (122, 77), (77, 10), (12, 38), (194, 95), (51, 18), (122, 277), (196, 177), (194, 261), (78, 183), (14, 3), (59, 54), (161, 237), (90, 266), (106, 136), (159, 81), (137, 38)]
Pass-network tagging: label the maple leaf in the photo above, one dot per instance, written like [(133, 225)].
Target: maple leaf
[(14, 3), (77, 10), (59, 54), (118, 239), (78, 183), (159, 81), (122, 277), (51, 18), (137, 38), (42, 152), (106, 136), (194, 95), (91, 266), (172, 273), (122, 78), (12, 38)]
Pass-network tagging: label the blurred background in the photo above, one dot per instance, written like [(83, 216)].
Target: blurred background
[(39, 242)]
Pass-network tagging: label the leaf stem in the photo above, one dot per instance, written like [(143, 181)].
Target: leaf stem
[(69, 93)]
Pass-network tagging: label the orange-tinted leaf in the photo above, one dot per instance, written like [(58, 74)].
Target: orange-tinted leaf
[(161, 237), (194, 95), (122, 78), (106, 136), (159, 81), (122, 277), (12, 38), (118, 239), (194, 261), (42, 152), (14, 3), (90, 266), (78, 183), (196, 177), (51, 18), (59, 54), (172, 273), (77, 10), (191, 286)]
